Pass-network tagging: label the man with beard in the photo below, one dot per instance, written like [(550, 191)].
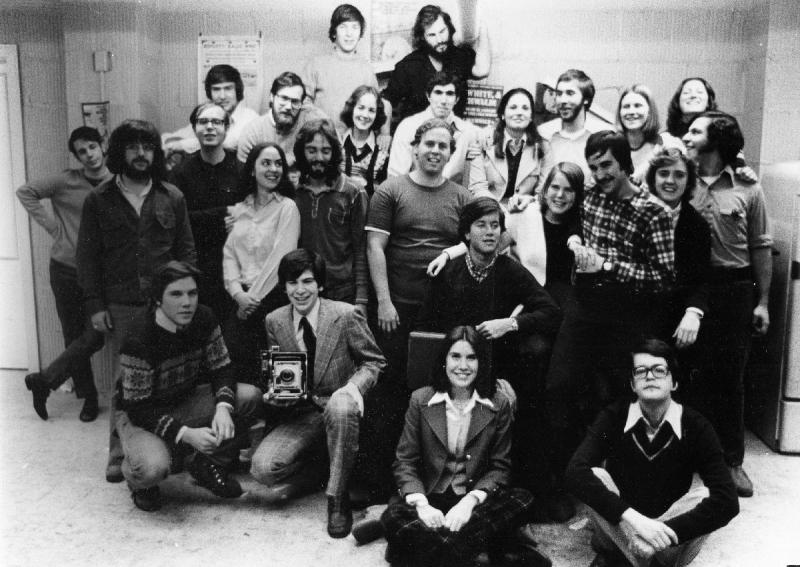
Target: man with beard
[(434, 51), (442, 92), (209, 182), (131, 224), (67, 191), (286, 116), (333, 211), (225, 88), (568, 133), (741, 274), (626, 261)]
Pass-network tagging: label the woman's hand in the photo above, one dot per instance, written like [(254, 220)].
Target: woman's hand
[(460, 514), (430, 516)]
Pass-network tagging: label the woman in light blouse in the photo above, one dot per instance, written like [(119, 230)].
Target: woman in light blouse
[(514, 158), (265, 227)]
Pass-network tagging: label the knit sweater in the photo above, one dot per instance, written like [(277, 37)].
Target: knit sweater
[(651, 485), (161, 369)]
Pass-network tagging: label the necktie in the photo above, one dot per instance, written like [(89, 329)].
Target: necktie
[(311, 347), (514, 146)]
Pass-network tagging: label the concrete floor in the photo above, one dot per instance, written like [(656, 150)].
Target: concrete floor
[(58, 509)]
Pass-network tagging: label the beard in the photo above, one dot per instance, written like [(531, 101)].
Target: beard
[(137, 174), (433, 52), (320, 170), (572, 115)]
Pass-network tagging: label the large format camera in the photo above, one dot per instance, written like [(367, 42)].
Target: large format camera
[(284, 375)]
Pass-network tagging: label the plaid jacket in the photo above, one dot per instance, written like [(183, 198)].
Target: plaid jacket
[(346, 350), (635, 235)]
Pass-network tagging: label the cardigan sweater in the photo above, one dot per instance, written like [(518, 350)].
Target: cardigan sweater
[(650, 485), (161, 369)]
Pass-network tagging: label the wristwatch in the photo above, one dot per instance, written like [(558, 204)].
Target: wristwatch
[(608, 266)]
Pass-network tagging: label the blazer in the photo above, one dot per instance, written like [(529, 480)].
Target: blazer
[(346, 350), (488, 175), (422, 451), (692, 260)]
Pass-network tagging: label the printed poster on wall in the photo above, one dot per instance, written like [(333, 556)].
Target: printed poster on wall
[(242, 52), (482, 101)]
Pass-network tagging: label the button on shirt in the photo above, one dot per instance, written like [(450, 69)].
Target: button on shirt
[(737, 215), (635, 235)]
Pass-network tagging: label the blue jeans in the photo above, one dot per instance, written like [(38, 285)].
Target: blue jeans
[(81, 341)]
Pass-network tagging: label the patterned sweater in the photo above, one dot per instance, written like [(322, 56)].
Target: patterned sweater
[(161, 369)]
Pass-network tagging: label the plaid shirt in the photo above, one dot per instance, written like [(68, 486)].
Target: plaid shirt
[(635, 235)]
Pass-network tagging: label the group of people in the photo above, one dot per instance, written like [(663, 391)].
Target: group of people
[(578, 274)]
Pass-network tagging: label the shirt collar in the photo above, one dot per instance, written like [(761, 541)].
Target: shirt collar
[(370, 143), (440, 397), (457, 122), (507, 137), (165, 322), (313, 317), (672, 416), (124, 188)]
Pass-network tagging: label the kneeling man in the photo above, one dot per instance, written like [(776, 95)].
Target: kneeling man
[(344, 363), (642, 503), (179, 394)]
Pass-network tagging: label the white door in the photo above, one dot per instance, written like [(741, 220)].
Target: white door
[(18, 346)]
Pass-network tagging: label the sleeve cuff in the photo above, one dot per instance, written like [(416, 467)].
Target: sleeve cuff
[(479, 495), (181, 431), (225, 405), (696, 311)]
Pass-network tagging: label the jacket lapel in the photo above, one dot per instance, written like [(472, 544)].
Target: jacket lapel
[(500, 165), (285, 331), (436, 418), (526, 164), (481, 416), (325, 340)]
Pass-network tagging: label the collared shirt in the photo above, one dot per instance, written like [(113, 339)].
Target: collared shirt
[(635, 235), (135, 199), (312, 318), (263, 129), (256, 244), (672, 416), (737, 215), (401, 158)]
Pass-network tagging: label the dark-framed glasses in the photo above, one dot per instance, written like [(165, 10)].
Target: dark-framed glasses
[(659, 371)]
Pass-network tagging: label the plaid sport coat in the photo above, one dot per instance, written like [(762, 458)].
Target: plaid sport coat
[(346, 349)]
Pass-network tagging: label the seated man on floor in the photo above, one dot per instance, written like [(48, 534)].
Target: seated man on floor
[(644, 506), (343, 365), (170, 411)]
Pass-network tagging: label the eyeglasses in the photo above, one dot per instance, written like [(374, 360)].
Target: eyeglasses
[(135, 146), (213, 121), (659, 371), (295, 102)]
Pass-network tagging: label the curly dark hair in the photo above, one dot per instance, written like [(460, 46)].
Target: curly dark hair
[(224, 74), (130, 132), (326, 129), (677, 123), (425, 18)]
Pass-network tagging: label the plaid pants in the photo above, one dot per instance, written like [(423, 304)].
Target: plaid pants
[(296, 444), (412, 543)]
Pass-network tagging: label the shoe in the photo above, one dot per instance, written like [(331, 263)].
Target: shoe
[(744, 486), (114, 469), (560, 507), (213, 477), (38, 386), (89, 411), (147, 499), (368, 530), (340, 517)]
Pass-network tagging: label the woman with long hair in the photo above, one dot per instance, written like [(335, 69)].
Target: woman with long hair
[(364, 161), (453, 464), (514, 158), (693, 97), (265, 227)]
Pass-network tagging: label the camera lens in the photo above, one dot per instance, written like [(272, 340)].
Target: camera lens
[(286, 376)]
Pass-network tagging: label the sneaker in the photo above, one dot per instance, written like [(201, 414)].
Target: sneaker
[(213, 477), (744, 486), (147, 499), (36, 383)]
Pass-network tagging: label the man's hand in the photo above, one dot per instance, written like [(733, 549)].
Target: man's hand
[(746, 173), (437, 265), (101, 321), (201, 438), (222, 424), (686, 333), (519, 202), (460, 514), (430, 516), (388, 319), (761, 319), (495, 328), (229, 221), (587, 261), (645, 535), (473, 150)]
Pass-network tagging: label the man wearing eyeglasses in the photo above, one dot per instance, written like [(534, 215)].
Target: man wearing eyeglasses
[(209, 182), (286, 116), (634, 470), (130, 225)]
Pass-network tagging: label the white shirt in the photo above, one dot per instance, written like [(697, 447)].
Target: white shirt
[(135, 199), (313, 319), (672, 416)]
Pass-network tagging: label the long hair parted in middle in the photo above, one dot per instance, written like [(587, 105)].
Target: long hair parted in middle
[(531, 133), (247, 180), (306, 135), (484, 382), (574, 176)]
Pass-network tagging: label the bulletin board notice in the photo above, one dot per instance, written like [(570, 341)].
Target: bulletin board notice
[(242, 52), (482, 101)]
